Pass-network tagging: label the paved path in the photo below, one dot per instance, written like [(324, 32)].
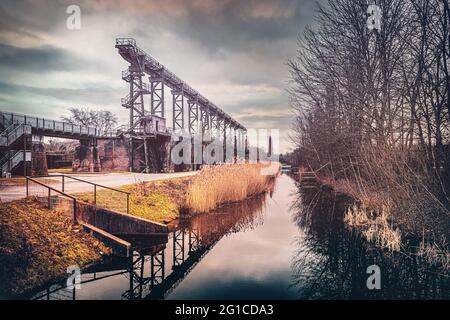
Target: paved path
[(106, 179)]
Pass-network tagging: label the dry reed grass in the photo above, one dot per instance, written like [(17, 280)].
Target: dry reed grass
[(398, 187), (216, 185), (375, 226)]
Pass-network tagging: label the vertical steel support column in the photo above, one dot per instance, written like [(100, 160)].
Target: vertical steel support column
[(193, 116), (213, 123), (225, 121), (178, 109), (157, 266), (204, 115), (178, 248), (219, 123), (135, 99), (157, 96)]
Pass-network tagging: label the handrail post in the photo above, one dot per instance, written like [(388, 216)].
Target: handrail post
[(128, 203), (75, 218), (95, 194), (26, 183), (49, 202), (62, 188)]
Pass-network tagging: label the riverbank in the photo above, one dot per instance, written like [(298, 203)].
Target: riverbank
[(163, 201), (387, 221), (37, 245)]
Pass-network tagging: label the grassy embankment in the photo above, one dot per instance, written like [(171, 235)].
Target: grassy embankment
[(37, 245), (163, 200)]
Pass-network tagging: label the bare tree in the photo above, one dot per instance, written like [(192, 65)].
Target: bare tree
[(103, 120), (372, 106)]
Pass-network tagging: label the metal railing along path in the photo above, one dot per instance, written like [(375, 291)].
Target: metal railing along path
[(51, 197), (111, 200)]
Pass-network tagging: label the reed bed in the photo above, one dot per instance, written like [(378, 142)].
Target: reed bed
[(217, 185), (375, 225)]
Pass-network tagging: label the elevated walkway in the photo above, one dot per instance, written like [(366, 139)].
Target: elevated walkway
[(52, 128)]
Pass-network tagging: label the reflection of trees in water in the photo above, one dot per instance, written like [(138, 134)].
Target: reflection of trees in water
[(331, 261)]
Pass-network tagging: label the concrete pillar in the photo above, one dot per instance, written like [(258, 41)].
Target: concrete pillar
[(86, 158), (38, 160)]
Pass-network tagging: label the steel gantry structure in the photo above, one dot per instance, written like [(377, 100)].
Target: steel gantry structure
[(202, 118)]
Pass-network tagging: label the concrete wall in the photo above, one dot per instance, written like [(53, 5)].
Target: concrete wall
[(113, 154), (118, 223), (86, 158)]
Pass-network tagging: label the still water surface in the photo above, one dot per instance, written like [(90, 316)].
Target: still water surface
[(287, 244)]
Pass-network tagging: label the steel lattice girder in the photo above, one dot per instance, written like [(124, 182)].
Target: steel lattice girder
[(178, 109), (157, 96)]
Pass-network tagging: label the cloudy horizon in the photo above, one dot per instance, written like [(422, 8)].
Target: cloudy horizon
[(233, 52)]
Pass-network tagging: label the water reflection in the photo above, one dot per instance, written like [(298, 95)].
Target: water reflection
[(288, 244), (160, 262), (331, 261)]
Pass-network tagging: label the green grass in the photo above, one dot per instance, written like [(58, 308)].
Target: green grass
[(158, 200)]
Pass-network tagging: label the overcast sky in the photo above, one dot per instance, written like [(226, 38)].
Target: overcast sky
[(233, 52)]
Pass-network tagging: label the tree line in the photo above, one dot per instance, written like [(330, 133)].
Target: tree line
[(372, 106)]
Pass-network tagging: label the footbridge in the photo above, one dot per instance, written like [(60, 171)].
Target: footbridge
[(141, 145)]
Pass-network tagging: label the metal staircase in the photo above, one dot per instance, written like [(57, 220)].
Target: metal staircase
[(13, 136), (13, 133), (13, 159)]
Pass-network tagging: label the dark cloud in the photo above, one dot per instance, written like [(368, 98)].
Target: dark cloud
[(31, 16), (243, 45), (44, 58), (233, 30)]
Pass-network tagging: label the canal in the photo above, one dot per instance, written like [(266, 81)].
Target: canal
[(287, 244)]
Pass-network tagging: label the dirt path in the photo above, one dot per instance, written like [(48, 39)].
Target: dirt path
[(107, 179)]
